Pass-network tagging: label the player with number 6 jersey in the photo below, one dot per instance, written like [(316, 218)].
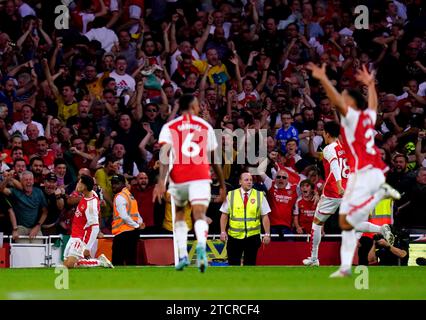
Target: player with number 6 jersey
[(187, 151), (366, 183)]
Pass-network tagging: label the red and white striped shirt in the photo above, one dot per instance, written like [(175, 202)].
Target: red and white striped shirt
[(358, 133), (86, 215), (334, 152), (192, 139)]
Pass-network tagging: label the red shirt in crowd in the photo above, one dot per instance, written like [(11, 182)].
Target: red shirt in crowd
[(281, 202), (305, 209), (145, 204)]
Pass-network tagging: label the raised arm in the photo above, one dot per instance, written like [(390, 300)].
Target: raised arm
[(235, 62), (334, 96), (200, 44), (45, 36), (103, 10), (115, 15), (144, 142), (368, 80), (261, 85), (137, 111), (54, 56), (173, 42), (49, 78), (419, 155)]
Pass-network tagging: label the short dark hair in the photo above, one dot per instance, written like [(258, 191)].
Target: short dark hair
[(185, 101), (400, 155), (332, 128), (121, 58), (59, 161), (42, 138), (87, 181), (291, 140), (17, 148), (68, 84), (358, 97), (387, 136), (287, 112), (17, 160), (110, 158), (36, 158), (106, 81), (309, 182)]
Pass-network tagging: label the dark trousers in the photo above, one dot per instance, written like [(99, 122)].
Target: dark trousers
[(124, 248), (247, 246), (281, 231), (365, 244)]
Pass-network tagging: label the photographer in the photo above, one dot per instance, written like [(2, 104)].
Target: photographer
[(385, 254)]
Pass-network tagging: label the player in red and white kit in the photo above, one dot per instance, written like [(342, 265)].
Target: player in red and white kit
[(85, 229), (366, 183), (336, 175), (190, 142)]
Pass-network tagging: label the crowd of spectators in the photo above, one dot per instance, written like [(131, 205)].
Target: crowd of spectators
[(92, 99)]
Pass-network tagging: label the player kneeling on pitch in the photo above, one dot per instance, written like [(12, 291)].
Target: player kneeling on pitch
[(85, 229)]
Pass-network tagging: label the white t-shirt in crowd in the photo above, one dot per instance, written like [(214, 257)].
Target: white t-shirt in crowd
[(123, 82), (104, 35), (22, 128)]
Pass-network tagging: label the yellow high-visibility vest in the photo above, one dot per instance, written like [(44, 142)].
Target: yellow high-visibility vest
[(381, 214), (244, 222)]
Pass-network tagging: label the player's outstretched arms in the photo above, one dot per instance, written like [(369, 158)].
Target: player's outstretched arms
[(369, 80), (335, 97)]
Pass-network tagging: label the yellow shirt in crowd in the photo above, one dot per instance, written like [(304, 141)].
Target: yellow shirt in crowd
[(167, 223)]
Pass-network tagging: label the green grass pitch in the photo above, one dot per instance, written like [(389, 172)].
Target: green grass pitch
[(239, 283)]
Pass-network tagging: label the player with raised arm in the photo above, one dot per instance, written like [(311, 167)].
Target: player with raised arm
[(85, 229), (336, 172), (189, 140), (366, 183)]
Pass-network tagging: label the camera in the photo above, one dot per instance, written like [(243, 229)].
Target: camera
[(378, 237)]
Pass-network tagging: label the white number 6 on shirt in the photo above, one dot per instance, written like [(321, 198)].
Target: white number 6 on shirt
[(189, 147)]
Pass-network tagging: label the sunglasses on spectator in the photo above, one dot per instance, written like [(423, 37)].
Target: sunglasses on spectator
[(151, 110), (281, 177)]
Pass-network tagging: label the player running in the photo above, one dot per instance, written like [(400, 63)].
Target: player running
[(85, 229), (336, 173), (189, 140), (366, 183)]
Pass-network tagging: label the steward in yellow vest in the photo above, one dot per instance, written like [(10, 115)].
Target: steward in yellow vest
[(381, 214), (246, 209), (126, 223)]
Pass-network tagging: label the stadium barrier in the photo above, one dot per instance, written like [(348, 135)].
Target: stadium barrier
[(157, 249)]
